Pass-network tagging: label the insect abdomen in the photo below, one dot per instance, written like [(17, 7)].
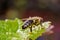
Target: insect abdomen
[(27, 24)]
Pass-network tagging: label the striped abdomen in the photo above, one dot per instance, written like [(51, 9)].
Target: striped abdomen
[(27, 24)]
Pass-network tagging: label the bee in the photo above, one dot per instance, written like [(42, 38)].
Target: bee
[(31, 21)]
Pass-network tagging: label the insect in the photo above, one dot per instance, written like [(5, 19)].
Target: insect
[(31, 21)]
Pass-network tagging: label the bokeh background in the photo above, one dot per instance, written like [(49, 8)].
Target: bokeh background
[(47, 9)]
